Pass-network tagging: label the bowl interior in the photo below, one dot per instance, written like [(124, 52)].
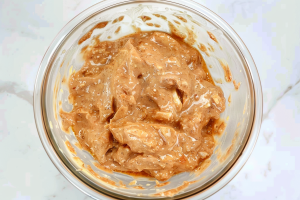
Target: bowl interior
[(238, 115)]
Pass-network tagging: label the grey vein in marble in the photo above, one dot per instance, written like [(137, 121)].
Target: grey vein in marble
[(16, 89)]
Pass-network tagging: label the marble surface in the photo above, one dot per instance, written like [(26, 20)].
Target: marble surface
[(270, 29)]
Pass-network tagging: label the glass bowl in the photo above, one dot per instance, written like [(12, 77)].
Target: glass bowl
[(242, 116)]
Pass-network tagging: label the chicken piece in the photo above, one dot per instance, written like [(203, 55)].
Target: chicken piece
[(140, 137), (163, 116), (106, 106), (177, 100), (206, 102), (165, 40), (179, 83), (127, 67), (161, 175), (192, 160), (203, 154), (82, 91), (161, 44), (67, 120), (122, 154), (99, 143), (143, 137), (193, 121), (172, 63), (120, 114), (112, 164), (168, 134), (214, 94), (189, 143), (142, 162), (162, 99)]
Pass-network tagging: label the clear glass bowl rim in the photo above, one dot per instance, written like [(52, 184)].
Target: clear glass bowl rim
[(191, 5)]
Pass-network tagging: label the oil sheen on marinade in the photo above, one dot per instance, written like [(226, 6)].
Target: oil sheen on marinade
[(142, 104)]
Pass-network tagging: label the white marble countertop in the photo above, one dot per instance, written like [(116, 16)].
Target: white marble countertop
[(270, 29)]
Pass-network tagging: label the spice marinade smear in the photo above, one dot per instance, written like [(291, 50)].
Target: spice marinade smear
[(144, 103)]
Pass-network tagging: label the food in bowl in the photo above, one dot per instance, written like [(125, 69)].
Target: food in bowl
[(242, 115), (144, 103)]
